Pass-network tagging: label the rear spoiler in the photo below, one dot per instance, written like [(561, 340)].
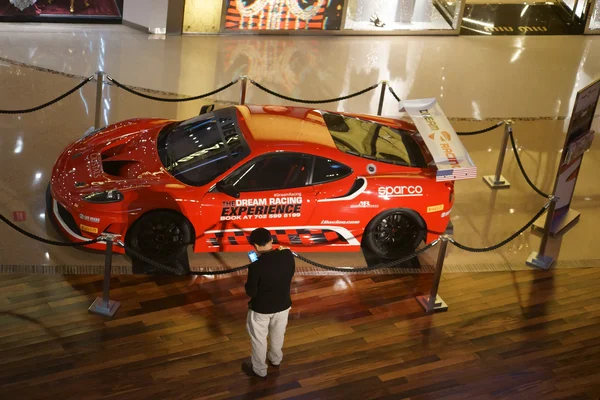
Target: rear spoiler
[(449, 155)]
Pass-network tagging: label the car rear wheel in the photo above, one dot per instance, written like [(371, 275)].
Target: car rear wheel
[(395, 233), (162, 236)]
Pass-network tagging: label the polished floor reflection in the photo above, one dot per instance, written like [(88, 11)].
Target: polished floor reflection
[(474, 77), (30, 143)]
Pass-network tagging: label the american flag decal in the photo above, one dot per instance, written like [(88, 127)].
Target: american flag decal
[(456, 174)]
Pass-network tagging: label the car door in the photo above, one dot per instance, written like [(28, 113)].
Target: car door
[(273, 192), (336, 189)]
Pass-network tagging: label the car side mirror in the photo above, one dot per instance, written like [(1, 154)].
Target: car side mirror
[(228, 189), (206, 109)]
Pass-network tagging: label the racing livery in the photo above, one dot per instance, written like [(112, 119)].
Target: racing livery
[(318, 180)]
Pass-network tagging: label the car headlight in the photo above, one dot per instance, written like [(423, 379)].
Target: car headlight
[(108, 196)]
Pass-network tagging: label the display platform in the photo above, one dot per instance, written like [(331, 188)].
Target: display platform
[(518, 19)]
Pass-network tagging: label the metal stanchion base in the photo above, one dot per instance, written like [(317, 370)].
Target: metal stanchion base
[(98, 307), (561, 224), (491, 181), (537, 261), (439, 305)]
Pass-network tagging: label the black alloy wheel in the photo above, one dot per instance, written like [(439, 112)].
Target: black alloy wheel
[(395, 233), (160, 235)]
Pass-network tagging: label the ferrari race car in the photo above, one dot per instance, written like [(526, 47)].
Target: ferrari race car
[(318, 180)]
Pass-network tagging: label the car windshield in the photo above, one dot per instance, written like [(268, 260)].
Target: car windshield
[(198, 150), (374, 141)]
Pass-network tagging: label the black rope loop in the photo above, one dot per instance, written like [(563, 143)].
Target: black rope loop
[(51, 102), (47, 241), (490, 128), (261, 87), (176, 271), (390, 264), (394, 94), (505, 241), (520, 164), (147, 96)]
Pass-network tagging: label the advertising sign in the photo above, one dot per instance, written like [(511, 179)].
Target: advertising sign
[(579, 139), (450, 156), (286, 15)]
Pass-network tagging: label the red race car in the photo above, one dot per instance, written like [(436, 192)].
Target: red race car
[(318, 180)]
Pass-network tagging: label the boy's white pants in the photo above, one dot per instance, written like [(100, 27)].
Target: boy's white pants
[(259, 326)]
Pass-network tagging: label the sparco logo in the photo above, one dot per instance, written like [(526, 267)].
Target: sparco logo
[(400, 191)]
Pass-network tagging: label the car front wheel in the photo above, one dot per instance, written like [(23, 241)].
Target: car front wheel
[(162, 236), (395, 233)]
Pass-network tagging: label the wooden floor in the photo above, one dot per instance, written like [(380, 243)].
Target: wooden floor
[(522, 335)]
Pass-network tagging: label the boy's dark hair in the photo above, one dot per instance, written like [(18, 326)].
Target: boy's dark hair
[(260, 237)]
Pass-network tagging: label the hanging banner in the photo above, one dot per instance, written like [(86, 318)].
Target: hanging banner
[(579, 139), (450, 156)]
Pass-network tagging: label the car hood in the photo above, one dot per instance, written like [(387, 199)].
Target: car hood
[(119, 156)]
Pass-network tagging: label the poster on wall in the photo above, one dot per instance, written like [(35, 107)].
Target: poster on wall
[(578, 141), (283, 15)]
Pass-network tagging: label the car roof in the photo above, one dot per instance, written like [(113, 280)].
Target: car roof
[(271, 124)]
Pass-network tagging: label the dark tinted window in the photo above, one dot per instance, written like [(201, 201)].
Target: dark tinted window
[(198, 150), (375, 141), (277, 171), (327, 170)]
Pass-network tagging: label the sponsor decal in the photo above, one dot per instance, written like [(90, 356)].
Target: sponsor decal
[(435, 208), (89, 229), (95, 165), (445, 137), (19, 216), (364, 204), (89, 219), (429, 120), (371, 169), (445, 214), (400, 191), (328, 222), (275, 207)]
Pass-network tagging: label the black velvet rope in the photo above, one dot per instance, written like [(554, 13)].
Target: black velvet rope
[(520, 164), (505, 241), (394, 94), (47, 241), (147, 96), (176, 271), (51, 102), (261, 87), (490, 128)]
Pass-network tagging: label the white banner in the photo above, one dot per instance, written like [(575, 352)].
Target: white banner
[(450, 156)]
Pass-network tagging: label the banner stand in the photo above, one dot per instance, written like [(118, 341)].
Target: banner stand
[(578, 140), (557, 227)]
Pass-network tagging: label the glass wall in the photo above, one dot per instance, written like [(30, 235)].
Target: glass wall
[(364, 17), (61, 10), (403, 15), (594, 22)]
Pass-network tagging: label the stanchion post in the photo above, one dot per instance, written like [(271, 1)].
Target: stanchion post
[(99, 87), (103, 305), (384, 85), (244, 80), (497, 181), (539, 259), (433, 302)]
